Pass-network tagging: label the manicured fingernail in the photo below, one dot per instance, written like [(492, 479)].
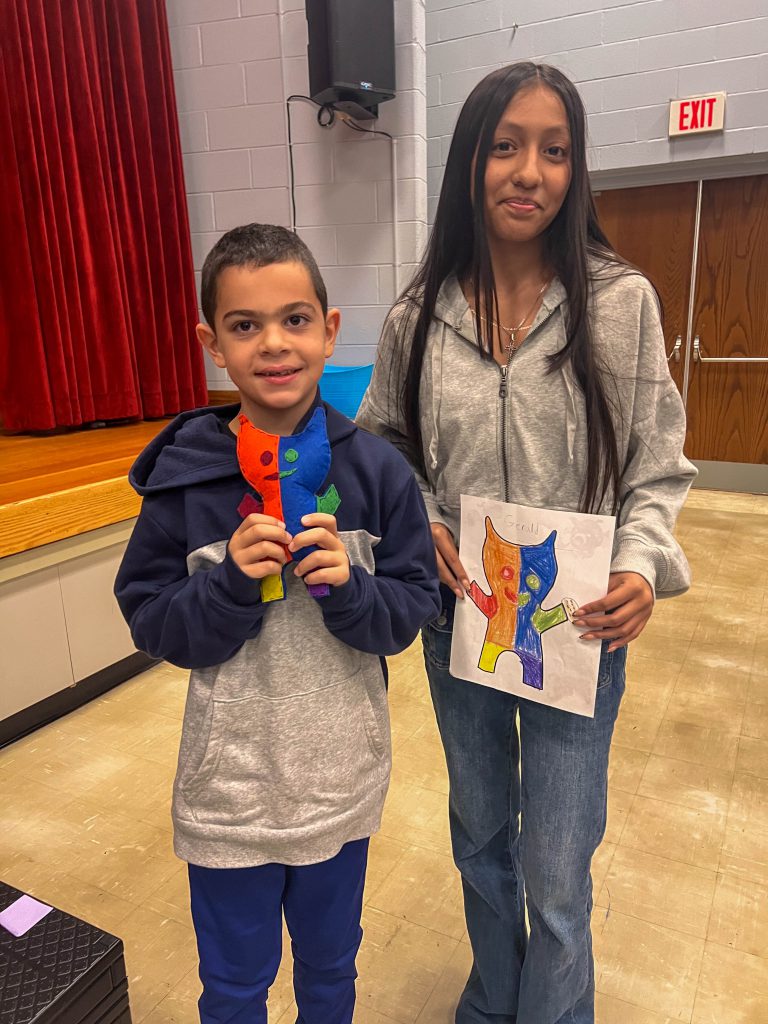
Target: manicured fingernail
[(579, 612), (459, 594), (586, 636), (579, 622)]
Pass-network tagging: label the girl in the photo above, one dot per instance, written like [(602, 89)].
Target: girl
[(526, 363)]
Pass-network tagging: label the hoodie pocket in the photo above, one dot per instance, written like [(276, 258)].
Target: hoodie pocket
[(288, 762)]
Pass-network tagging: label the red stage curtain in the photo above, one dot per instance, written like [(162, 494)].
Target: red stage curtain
[(97, 291)]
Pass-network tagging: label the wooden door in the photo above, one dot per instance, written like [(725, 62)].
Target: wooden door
[(653, 227), (728, 402)]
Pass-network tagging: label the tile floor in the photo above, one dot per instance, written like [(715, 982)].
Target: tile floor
[(681, 880)]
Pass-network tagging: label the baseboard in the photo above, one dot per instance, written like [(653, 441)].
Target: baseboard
[(223, 397), (61, 703), (732, 476)]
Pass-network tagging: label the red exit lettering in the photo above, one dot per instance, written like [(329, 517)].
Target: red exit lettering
[(696, 114)]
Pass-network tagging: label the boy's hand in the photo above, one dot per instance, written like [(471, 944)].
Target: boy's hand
[(331, 563), (258, 546)]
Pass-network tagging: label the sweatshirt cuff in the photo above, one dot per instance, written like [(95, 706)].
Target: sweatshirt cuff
[(238, 587), (434, 515), (348, 596), (634, 556)]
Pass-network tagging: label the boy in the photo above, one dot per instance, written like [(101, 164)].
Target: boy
[(285, 758)]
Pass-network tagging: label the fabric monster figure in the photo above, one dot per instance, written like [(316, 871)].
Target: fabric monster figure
[(287, 473), (520, 576)]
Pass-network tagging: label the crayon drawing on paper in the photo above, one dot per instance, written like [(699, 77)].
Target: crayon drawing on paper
[(530, 569), (520, 577)]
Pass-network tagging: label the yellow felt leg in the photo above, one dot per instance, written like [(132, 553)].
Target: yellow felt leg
[(489, 656), (272, 588)]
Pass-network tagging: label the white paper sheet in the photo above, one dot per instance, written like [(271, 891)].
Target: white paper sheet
[(516, 635)]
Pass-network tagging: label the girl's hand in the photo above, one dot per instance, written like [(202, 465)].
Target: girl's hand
[(258, 546), (622, 614), (450, 569), (331, 563)]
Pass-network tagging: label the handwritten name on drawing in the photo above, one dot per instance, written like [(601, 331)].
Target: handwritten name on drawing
[(529, 529)]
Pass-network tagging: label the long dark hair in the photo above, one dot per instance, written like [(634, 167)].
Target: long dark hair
[(458, 245)]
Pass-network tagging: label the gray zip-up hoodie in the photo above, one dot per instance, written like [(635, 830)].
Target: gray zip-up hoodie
[(530, 447)]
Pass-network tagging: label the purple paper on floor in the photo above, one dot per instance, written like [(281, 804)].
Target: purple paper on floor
[(23, 914)]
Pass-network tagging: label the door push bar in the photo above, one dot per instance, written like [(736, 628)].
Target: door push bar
[(675, 353), (699, 357)]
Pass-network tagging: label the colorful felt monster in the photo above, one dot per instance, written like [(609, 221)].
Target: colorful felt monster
[(287, 473), (520, 576)]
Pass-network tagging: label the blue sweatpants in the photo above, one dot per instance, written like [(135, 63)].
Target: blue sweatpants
[(237, 913)]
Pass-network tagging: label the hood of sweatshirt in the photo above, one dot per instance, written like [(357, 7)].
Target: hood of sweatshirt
[(198, 446), (452, 308)]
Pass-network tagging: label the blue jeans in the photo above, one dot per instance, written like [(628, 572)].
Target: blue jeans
[(555, 777), (238, 918)]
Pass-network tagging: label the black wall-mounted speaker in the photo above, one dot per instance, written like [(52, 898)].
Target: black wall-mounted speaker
[(351, 53)]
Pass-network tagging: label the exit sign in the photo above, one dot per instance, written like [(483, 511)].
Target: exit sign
[(697, 114)]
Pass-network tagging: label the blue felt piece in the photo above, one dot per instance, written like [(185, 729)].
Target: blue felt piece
[(304, 461), (343, 387)]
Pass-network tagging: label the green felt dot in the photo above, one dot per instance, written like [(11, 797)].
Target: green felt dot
[(523, 600), (291, 455), (533, 581)]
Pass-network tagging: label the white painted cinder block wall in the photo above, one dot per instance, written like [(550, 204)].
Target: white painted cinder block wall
[(235, 62), (628, 59)]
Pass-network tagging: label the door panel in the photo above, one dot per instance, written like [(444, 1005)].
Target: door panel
[(653, 227), (728, 402)]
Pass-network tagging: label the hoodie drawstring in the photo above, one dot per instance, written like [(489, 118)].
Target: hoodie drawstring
[(438, 350), (571, 408)]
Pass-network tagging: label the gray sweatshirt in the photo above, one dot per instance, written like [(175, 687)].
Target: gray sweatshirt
[(531, 447), (285, 749)]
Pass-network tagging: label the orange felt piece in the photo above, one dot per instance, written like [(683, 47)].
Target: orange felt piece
[(257, 453)]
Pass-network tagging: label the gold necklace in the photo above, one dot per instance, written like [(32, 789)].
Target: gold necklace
[(513, 345)]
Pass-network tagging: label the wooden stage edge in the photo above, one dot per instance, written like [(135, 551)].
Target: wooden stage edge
[(62, 485)]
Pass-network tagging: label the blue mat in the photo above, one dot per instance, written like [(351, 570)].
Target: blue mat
[(344, 386)]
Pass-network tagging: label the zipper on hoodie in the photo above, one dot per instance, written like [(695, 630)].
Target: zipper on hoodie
[(503, 389), (504, 370)]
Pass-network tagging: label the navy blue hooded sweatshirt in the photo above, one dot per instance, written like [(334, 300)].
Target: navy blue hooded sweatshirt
[(285, 752)]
